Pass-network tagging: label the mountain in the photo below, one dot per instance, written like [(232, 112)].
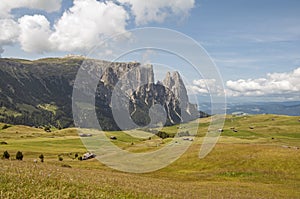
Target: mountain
[(291, 108), (280, 108), (39, 93)]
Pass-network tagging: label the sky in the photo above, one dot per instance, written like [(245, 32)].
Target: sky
[(255, 44)]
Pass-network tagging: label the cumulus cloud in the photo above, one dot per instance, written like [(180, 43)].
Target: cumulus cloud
[(273, 84), (34, 33), (205, 86), (7, 5), (87, 23), (84, 24), (9, 31), (157, 10)]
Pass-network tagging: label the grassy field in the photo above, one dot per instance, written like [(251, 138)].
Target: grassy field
[(255, 157)]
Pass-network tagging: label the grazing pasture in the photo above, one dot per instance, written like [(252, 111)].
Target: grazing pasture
[(260, 159)]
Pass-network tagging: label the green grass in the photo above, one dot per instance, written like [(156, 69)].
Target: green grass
[(258, 162), (48, 107), (27, 107), (9, 112)]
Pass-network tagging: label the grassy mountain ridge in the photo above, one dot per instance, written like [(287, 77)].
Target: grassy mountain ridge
[(26, 86)]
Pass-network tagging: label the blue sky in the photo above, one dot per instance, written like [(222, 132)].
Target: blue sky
[(254, 43), (249, 38)]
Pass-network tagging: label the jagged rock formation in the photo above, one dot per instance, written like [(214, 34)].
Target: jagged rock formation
[(171, 94), (40, 93)]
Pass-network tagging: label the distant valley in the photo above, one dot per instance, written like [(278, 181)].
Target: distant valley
[(291, 108)]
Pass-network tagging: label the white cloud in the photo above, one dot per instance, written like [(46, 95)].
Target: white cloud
[(34, 33), (7, 5), (205, 86), (9, 31), (87, 23), (273, 84), (157, 10)]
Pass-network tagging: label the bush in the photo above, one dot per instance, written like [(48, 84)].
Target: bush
[(59, 127), (5, 126), (6, 155), (60, 158), (47, 129), (162, 134), (80, 158), (41, 157), (76, 155), (19, 155), (66, 166)]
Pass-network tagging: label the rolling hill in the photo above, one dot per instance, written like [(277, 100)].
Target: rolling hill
[(260, 160)]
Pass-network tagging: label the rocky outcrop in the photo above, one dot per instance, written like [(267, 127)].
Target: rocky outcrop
[(175, 84), (171, 94)]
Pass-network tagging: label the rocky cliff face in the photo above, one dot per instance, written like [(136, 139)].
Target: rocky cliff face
[(40, 92), (171, 94)]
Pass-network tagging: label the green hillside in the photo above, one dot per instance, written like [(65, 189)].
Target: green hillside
[(256, 157), (37, 92)]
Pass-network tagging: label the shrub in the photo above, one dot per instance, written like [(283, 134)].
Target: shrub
[(5, 126), (41, 157), (162, 134), (80, 158), (76, 155), (66, 166), (47, 129), (60, 158), (59, 127), (19, 155), (6, 155)]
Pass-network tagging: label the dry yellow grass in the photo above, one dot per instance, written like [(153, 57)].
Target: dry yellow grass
[(246, 164)]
